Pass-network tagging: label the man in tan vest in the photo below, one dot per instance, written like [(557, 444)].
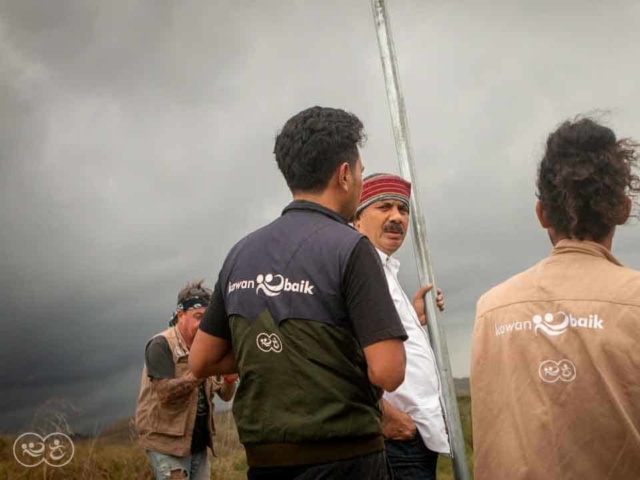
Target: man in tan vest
[(556, 349), (174, 417)]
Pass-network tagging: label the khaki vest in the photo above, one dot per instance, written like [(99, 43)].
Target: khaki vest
[(168, 429), (555, 375)]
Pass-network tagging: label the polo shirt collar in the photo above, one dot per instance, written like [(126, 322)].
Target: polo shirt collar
[(388, 261), (585, 247), (305, 205)]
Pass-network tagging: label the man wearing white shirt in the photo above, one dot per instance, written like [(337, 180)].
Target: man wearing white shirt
[(413, 420)]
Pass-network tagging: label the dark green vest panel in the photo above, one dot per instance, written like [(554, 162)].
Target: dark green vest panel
[(302, 382)]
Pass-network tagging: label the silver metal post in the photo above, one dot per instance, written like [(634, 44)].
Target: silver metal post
[(407, 170)]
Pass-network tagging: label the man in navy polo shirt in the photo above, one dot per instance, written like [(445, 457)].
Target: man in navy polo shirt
[(302, 311)]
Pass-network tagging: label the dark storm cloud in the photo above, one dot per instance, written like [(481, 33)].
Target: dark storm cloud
[(136, 145)]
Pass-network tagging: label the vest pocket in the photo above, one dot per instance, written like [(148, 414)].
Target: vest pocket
[(170, 420)]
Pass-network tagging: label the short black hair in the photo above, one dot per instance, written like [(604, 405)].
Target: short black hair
[(586, 178), (313, 143)]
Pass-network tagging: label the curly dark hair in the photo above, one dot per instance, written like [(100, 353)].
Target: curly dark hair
[(313, 143), (586, 178)]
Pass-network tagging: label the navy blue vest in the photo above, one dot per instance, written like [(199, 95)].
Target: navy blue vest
[(305, 395), (292, 267)]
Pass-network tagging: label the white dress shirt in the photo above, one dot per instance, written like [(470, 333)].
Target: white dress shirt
[(419, 395)]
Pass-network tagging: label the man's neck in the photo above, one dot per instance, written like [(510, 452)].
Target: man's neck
[(386, 252), (606, 242), (325, 199), (183, 337)]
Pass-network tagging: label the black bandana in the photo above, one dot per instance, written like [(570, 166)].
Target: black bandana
[(189, 304)]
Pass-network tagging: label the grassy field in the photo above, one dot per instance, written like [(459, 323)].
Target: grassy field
[(114, 456), (445, 471)]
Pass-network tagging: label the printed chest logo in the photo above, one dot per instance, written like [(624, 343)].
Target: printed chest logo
[(552, 324), (551, 371), (269, 342), (272, 285)]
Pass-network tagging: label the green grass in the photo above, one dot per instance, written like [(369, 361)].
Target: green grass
[(93, 460), (445, 470), (116, 457)]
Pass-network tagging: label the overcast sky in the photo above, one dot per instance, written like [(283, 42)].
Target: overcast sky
[(136, 147)]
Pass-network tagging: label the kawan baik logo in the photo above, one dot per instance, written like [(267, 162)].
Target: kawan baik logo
[(552, 324), (272, 285)]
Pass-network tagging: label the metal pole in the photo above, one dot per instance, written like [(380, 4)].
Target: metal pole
[(407, 170)]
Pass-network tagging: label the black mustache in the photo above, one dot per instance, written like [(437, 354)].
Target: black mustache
[(393, 228)]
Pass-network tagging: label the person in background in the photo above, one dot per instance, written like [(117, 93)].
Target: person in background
[(413, 421), (174, 416)]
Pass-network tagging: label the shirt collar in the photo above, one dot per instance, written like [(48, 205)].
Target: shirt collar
[(388, 261), (181, 342), (308, 206), (585, 247)]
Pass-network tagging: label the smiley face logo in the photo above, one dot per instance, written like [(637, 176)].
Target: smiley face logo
[(551, 371), (267, 285), (269, 342)]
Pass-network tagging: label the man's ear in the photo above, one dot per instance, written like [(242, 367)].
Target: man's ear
[(344, 173), (628, 205), (356, 221), (542, 218)]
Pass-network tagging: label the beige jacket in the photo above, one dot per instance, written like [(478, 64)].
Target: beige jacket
[(169, 429), (555, 374)]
